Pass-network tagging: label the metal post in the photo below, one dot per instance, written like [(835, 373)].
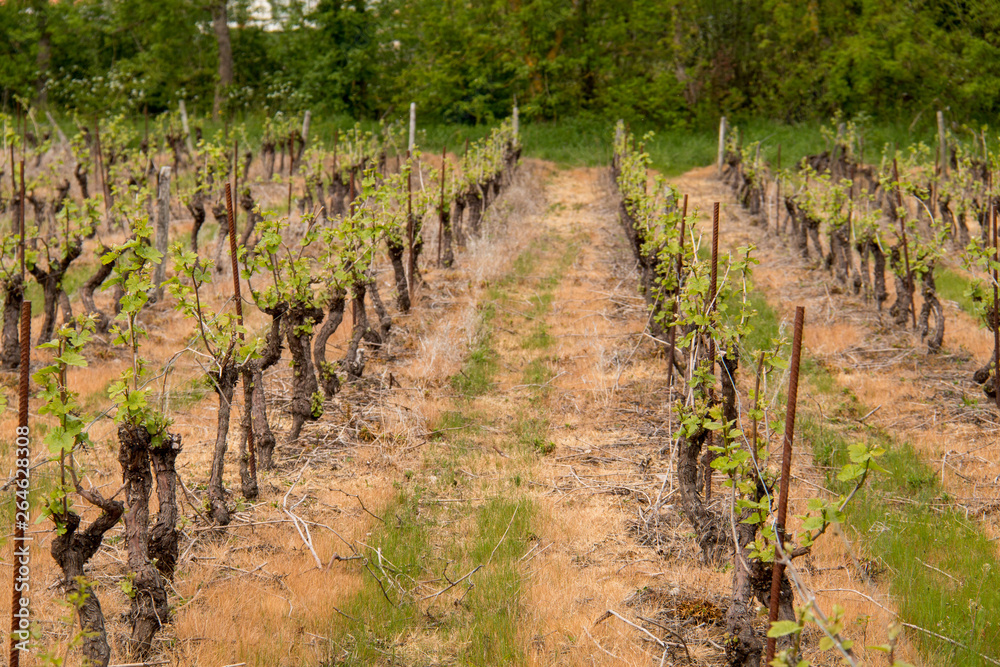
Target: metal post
[(778, 568)]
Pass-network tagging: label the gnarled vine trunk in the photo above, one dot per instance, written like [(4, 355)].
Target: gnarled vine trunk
[(326, 371), (163, 537), (396, 252), (224, 380), (306, 404), (51, 282), (149, 598), (13, 297), (71, 550)]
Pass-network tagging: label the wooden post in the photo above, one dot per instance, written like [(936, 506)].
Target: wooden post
[(942, 143), (411, 266), (516, 120), (306, 121), (778, 568), (63, 142), (105, 190), (233, 254), (722, 146), (162, 228), (906, 251), (187, 129), (413, 128)]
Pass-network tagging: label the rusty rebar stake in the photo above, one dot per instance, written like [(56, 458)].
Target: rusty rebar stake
[(713, 288), (753, 418), (444, 169), (713, 282), (996, 309), (778, 568), (23, 469), (21, 249)]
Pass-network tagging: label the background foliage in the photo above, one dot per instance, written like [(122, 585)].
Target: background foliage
[(665, 62)]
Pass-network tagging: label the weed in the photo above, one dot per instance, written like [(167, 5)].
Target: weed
[(539, 338)]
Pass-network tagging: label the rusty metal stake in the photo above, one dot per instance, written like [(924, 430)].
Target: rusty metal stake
[(753, 419), (21, 223), (778, 568), (777, 194), (996, 310), (13, 173), (713, 280), (672, 334), (251, 444), (102, 177), (444, 169), (236, 178), (22, 471)]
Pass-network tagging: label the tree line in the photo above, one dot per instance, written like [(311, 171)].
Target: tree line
[(666, 62)]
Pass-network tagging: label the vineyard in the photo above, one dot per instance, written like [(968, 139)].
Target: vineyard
[(312, 401)]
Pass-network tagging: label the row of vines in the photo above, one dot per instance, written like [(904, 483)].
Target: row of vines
[(901, 220), (362, 203), (702, 317)]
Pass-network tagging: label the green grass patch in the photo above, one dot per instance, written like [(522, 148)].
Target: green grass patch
[(523, 266), (537, 373), (532, 433), (539, 338), (952, 286), (503, 531), (540, 304), (476, 375), (766, 325), (451, 422), (404, 542), (586, 141), (914, 528)]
